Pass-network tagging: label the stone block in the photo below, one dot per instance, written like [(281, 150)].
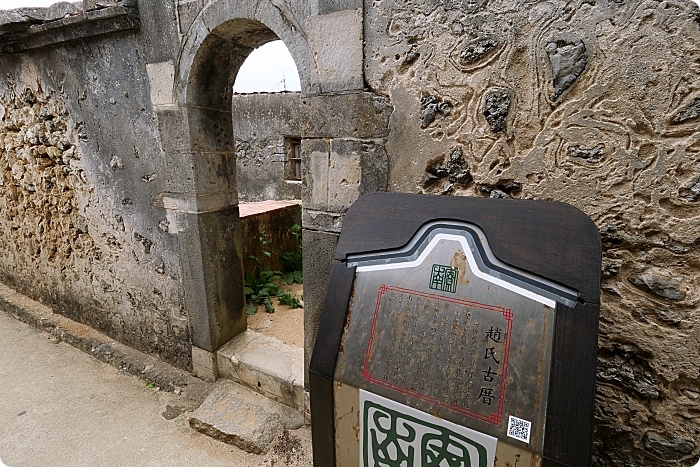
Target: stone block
[(321, 220), (319, 250), (344, 175), (331, 6), (243, 418), (172, 126), (314, 169), (204, 365), (95, 4), (335, 40), (56, 11), (351, 115), (193, 204), (266, 115), (62, 22), (187, 12), (161, 80), (214, 172), (356, 168), (220, 12), (210, 254), (179, 176), (210, 130)]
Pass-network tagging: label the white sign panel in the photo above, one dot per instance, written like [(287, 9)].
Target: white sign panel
[(395, 434)]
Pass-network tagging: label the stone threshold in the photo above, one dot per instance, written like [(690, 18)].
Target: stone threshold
[(268, 366)]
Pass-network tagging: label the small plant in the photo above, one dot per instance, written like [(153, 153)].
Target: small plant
[(293, 260), (264, 239), (261, 289), (151, 385)]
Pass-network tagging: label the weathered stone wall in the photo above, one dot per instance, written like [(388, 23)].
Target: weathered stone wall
[(260, 124), (593, 103), (82, 224), (65, 239)]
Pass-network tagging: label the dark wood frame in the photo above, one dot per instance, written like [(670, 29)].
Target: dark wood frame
[(550, 239), (292, 158)]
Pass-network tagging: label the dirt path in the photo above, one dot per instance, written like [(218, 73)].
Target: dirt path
[(285, 324)]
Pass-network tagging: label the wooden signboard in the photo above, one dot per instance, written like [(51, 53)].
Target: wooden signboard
[(458, 332)]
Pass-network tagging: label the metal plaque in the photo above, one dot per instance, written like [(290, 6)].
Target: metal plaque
[(445, 330)]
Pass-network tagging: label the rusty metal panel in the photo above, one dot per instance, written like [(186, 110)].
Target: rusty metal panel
[(441, 327)]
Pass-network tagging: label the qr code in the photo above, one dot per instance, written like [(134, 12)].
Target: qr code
[(519, 429)]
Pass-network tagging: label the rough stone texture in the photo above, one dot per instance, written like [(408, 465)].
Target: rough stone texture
[(446, 172), (603, 115), (477, 49), (567, 60), (261, 122), (239, 416), (591, 155), (104, 258), (431, 107), (496, 109), (668, 449), (689, 112), (21, 19), (31, 28), (62, 245)]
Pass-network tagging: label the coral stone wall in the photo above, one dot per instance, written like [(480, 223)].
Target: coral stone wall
[(595, 103), (44, 190), (62, 239)]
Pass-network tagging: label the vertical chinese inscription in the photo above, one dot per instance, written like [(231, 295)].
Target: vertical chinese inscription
[(444, 351)]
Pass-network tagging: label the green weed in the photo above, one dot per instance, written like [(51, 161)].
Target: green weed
[(262, 287)]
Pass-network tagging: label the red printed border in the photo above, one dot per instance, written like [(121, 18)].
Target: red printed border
[(496, 417)]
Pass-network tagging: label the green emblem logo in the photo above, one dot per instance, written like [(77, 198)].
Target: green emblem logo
[(395, 439), (444, 278)]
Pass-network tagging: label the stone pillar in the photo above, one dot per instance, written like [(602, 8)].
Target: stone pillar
[(202, 207), (343, 157)]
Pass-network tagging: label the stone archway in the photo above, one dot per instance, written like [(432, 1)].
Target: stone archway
[(343, 134), (202, 201)]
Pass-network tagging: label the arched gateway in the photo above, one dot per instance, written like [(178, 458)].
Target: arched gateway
[(202, 201)]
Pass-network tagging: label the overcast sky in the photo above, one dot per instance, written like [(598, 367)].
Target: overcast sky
[(269, 68)]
